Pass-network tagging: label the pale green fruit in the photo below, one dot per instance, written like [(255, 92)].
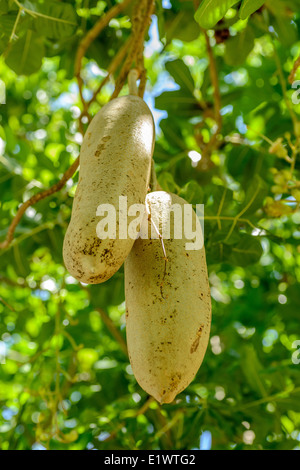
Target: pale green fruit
[(115, 160), (168, 305)]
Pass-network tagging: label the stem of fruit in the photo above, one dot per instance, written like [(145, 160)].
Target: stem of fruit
[(132, 79), (140, 24)]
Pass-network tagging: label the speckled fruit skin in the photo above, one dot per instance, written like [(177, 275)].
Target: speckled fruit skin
[(115, 160), (168, 308)]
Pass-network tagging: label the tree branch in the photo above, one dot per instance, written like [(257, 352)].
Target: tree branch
[(141, 22), (36, 198), (91, 36), (135, 47), (112, 68)]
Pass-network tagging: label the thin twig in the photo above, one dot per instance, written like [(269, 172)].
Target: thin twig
[(6, 304), (31, 233), (36, 198), (112, 68), (165, 258), (112, 328), (137, 413), (109, 323), (294, 70), (272, 398), (215, 82), (12, 35), (12, 283)]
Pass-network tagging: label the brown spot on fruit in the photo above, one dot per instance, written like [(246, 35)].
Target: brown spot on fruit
[(197, 339)]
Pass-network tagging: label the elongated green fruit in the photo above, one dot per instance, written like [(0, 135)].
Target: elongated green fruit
[(168, 304), (115, 160)]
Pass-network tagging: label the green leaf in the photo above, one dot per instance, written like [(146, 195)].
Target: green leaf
[(53, 19), (242, 161), (160, 154), (45, 162), (3, 6), (222, 199), (181, 74), (7, 23), (192, 193), (286, 30), (172, 133), (26, 55), (247, 251), (112, 293), (221, 236), (255, 195), (252, 368), (239, 47), (212, 11), (159, 11), (178, 102), (167, 182), (181, 26), (250, 6), (12, 23)]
